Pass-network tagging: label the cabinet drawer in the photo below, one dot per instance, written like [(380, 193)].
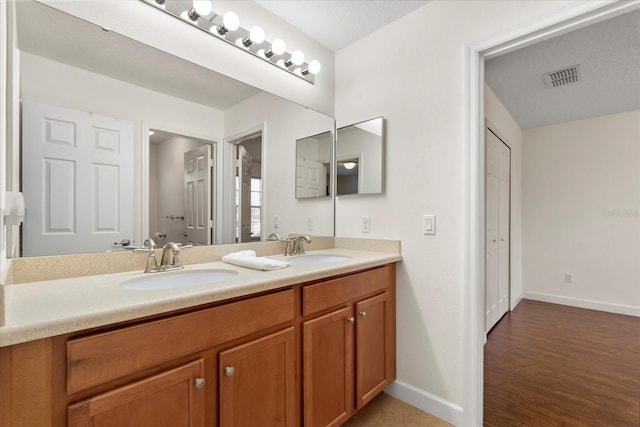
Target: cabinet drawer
[(103, 357), (324, 295)]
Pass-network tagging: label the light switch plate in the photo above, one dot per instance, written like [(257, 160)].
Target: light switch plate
[(309, 223), (429, 224), (276, 221)]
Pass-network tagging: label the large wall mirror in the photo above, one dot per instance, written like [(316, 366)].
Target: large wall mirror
[(360, 158), (80, 82)]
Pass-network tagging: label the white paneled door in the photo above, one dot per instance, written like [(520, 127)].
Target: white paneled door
[(311, 179), (77, 180), (197, 199), (497, 217)]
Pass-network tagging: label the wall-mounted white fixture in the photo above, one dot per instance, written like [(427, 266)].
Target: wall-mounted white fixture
[(200, 14)]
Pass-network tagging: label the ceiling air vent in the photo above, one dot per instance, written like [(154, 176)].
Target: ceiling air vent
[(562, 77)]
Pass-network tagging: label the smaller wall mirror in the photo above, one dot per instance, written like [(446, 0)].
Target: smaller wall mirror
[(359, 158), (313, 166)]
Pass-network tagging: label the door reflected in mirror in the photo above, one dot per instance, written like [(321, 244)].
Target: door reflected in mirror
[(313, 166), (359, 158)]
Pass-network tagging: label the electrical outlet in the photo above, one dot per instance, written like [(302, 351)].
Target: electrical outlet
[(276, 221), (309, 223), (568, 278), (365, 225)]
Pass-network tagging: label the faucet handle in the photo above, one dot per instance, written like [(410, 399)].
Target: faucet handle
[(149, 244)]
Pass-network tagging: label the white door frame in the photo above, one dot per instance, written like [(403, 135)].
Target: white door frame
[(562, 21)]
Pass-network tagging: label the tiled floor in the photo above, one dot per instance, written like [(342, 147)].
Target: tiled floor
[(387, 411)]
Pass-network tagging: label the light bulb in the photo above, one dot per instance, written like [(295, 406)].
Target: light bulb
[(281, 63), (202, 7), (314, 66), (278, 47), (231, 21), (297, 57), (261, 53), (256, 35), (298, 71)]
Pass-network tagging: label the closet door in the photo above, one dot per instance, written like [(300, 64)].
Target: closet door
[(504, 227), (492, 205), (497, 224)]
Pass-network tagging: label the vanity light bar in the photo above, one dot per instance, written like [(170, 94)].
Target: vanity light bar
[(227, 27)]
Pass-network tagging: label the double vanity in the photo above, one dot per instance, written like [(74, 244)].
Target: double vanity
[(308, 345)]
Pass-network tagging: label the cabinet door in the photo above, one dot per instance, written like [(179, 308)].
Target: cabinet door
[(257, 382), (373, 352), (328, 368), (172, 399)]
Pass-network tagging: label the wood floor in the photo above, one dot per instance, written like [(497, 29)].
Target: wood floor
[(552, 365)]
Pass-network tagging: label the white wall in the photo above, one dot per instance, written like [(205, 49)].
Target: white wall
[(53, 83), (511, 134), (144, 23), (412, 72), (581, 212), (284, 122)]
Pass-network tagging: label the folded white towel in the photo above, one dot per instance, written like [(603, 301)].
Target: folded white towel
[(249, 259)]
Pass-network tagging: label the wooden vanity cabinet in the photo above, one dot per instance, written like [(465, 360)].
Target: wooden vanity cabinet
[(311, 355), (349, 348)]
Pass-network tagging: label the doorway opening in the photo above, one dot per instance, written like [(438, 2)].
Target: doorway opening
[(181, 189), (248, 188), (544, 28)]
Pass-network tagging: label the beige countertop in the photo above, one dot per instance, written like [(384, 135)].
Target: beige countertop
[(44, 309)]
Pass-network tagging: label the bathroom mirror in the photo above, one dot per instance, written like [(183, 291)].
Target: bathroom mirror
[(69, 63), (313, 166), (360, 158)]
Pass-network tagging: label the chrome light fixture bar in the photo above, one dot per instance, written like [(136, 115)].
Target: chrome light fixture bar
[(200, 14)]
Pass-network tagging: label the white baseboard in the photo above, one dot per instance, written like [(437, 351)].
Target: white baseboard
[(436, 406), (629, 310), (516, 301)]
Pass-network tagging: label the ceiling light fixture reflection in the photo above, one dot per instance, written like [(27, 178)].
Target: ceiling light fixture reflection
[(349, 165)]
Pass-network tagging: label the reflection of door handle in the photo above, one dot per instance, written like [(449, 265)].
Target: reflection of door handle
[(123, 242)]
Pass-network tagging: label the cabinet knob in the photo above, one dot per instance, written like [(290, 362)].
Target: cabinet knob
[(351, 319), (363, 313), (229, 371), (199, 383)]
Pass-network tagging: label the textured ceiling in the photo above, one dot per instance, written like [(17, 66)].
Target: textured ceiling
[(338, 23), (609, 55)]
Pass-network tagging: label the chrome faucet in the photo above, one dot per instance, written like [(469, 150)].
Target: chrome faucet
[(295, 245), (170, 260)]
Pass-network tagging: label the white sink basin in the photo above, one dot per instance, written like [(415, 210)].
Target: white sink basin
[(177, 279), (317, 259)]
